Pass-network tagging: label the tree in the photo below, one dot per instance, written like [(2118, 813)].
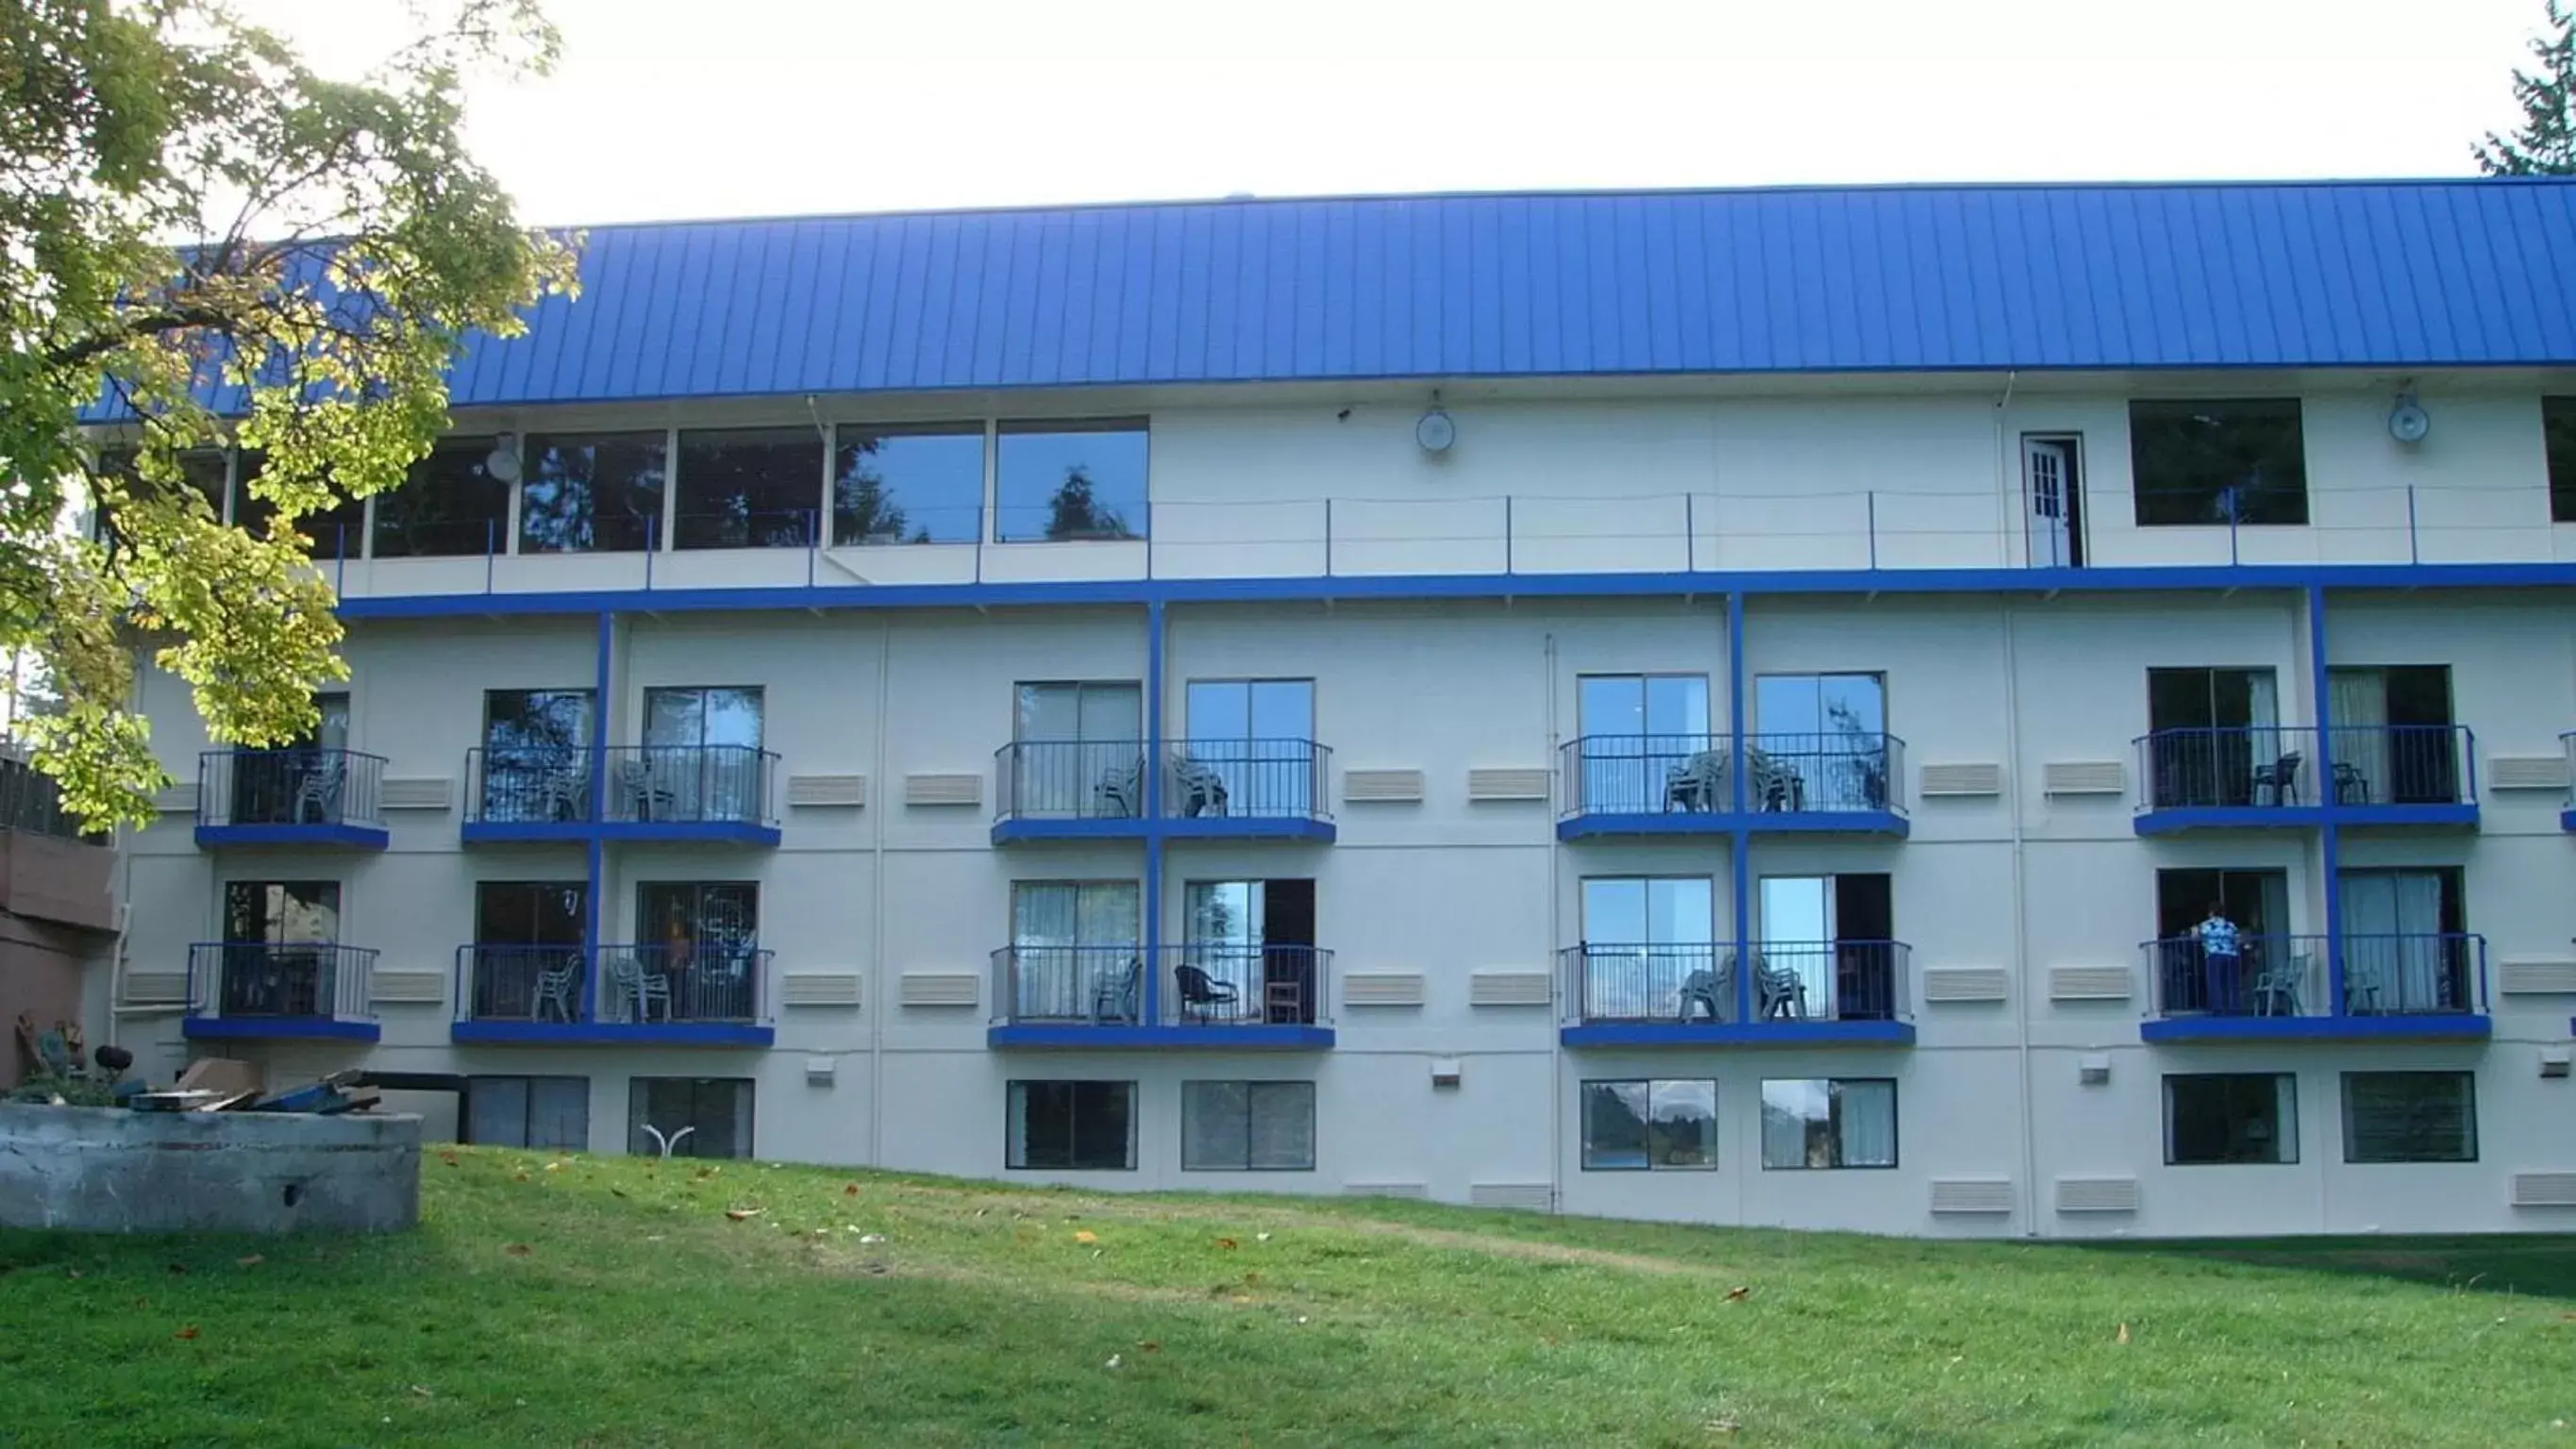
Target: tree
[(1075, 511), (2545, 143), (220, 247)]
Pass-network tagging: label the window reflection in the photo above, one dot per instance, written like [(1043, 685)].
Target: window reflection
[(748, 488), (1061, 482), (908, 485), (592, 492), (450, 506)]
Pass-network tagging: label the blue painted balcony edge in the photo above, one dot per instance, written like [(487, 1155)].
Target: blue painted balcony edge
[(277, 1028), (610, 1033), (1015, 828), (353, 837), (2461, 816), (1727, 822), (1739, 1033), (1012, 829), (2305, 817), (2567, 819), (508, 832), (2428, 1026), (1081, 1036)]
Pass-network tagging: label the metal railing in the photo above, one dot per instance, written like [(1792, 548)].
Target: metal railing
[(1792, 981), (286, 980), (1647, 774), (1069, 780), (618, 985), (2404, 765), (515, 784), (1839, 770), (1261, 779), (2240, 765), (301, 786), (1204, 984), (690, 784), (31, 802), (2411, 974), (752, 528)]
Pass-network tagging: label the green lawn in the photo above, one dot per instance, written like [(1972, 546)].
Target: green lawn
[(585, 1300)]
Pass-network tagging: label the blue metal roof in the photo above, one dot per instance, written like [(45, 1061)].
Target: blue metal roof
[(2400, 274)]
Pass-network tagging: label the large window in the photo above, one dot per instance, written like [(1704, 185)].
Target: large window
[(302, 782), (702, 755), (1644, 1126), (1074, 951), (449, 506), (543, 1112), (2410, 1117), (1649, 950), (1073, 1126), (696, 1116), (536, 754), (337, 532), (908, 485), (2221, 1118), (1820, 743), (749, 488), (592, 492), (527, 962), (2228, 462), (1058, 482), (277, 959), (696, 954), (1827, 949), (1078, 749), (1247, 1126), (1829, 1122), (1646, 744), (2558, 432), (1251, 749)]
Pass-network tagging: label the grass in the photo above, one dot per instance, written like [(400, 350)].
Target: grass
[(583, 1300)]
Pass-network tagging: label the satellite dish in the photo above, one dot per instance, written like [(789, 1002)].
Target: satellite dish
[(2407, 421), (503, 461), (1435, 432)]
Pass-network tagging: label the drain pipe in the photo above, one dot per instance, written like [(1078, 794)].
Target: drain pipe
[(2021, 923), (885, 985), (1555, 937)]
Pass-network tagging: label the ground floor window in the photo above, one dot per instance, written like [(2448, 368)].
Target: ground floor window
[(1829, 1122), (2214, 1118), (1247, 1126), (1073, 1126), (546, 1112), (1641, 1126), (693, 1116), (2410, 1117)]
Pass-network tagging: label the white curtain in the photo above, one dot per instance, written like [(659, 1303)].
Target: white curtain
[(2359, 698), (2392, 958), (2263, 715), (1865, 1122)]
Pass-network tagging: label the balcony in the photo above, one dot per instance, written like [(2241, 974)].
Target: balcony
[(1847, 782), (2265, 777), (1803, 993), (1275, 789), (279, 991), (310, 797), (1263, 998), (2424, 986), (2567, 814), (655, 792), (612, 996)]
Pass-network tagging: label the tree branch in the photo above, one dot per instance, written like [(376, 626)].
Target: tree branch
[(178, 319)]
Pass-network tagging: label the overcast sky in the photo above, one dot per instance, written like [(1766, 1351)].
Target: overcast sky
[(692, 108)]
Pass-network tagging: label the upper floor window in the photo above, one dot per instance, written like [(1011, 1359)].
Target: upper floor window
[(908, 485), (592, 492), (1061, 481), (1820, 742), (449, 506), (748, 488), (337, 532), (1645, 743), (2218, 462), (2558, 434)]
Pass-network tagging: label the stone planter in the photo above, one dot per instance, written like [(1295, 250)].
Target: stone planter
[(105, 1170)]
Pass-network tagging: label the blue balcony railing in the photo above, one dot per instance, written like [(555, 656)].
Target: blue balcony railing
[(34, 803), (1069, 780), (527, 785), (1793, 981), (691, 784), (1206, 984), (313, 788), (2404, 765), (279, 981), (1837, 772), (2409, 974), (637, 986), (1273, 779), (2247, 766)]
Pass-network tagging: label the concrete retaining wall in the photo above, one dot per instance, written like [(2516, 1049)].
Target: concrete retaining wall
[(103, 1170)]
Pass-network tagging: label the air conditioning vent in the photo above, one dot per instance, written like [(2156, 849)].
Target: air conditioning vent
[(1972, 1195), (156, 988), (2088, 983), (418, 792), (941, 789), (1509, 988), (1534, 1197), (1966, 983), (1381, 787), (2084, 777), (2527, 772), (1499, 785), (819, 988), (1386, 1189), (939, 988), (1941, 780), (2544, 1189), (2097, 1194), (390, 987), (2536, 978), (1381, 988), (177, 800), (827, 792)]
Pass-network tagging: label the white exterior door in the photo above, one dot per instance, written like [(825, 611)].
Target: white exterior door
[(2045, 469)]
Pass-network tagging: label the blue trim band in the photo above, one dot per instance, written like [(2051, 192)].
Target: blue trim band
[(348, 837), (2229, 817), (277, 1028), (1727, 822), (1011, 828), (1740, 1034), (2458, 1027), (611, 1033), (1076, 1036)]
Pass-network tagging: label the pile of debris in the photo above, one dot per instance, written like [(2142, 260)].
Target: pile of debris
[(64, 1073)]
